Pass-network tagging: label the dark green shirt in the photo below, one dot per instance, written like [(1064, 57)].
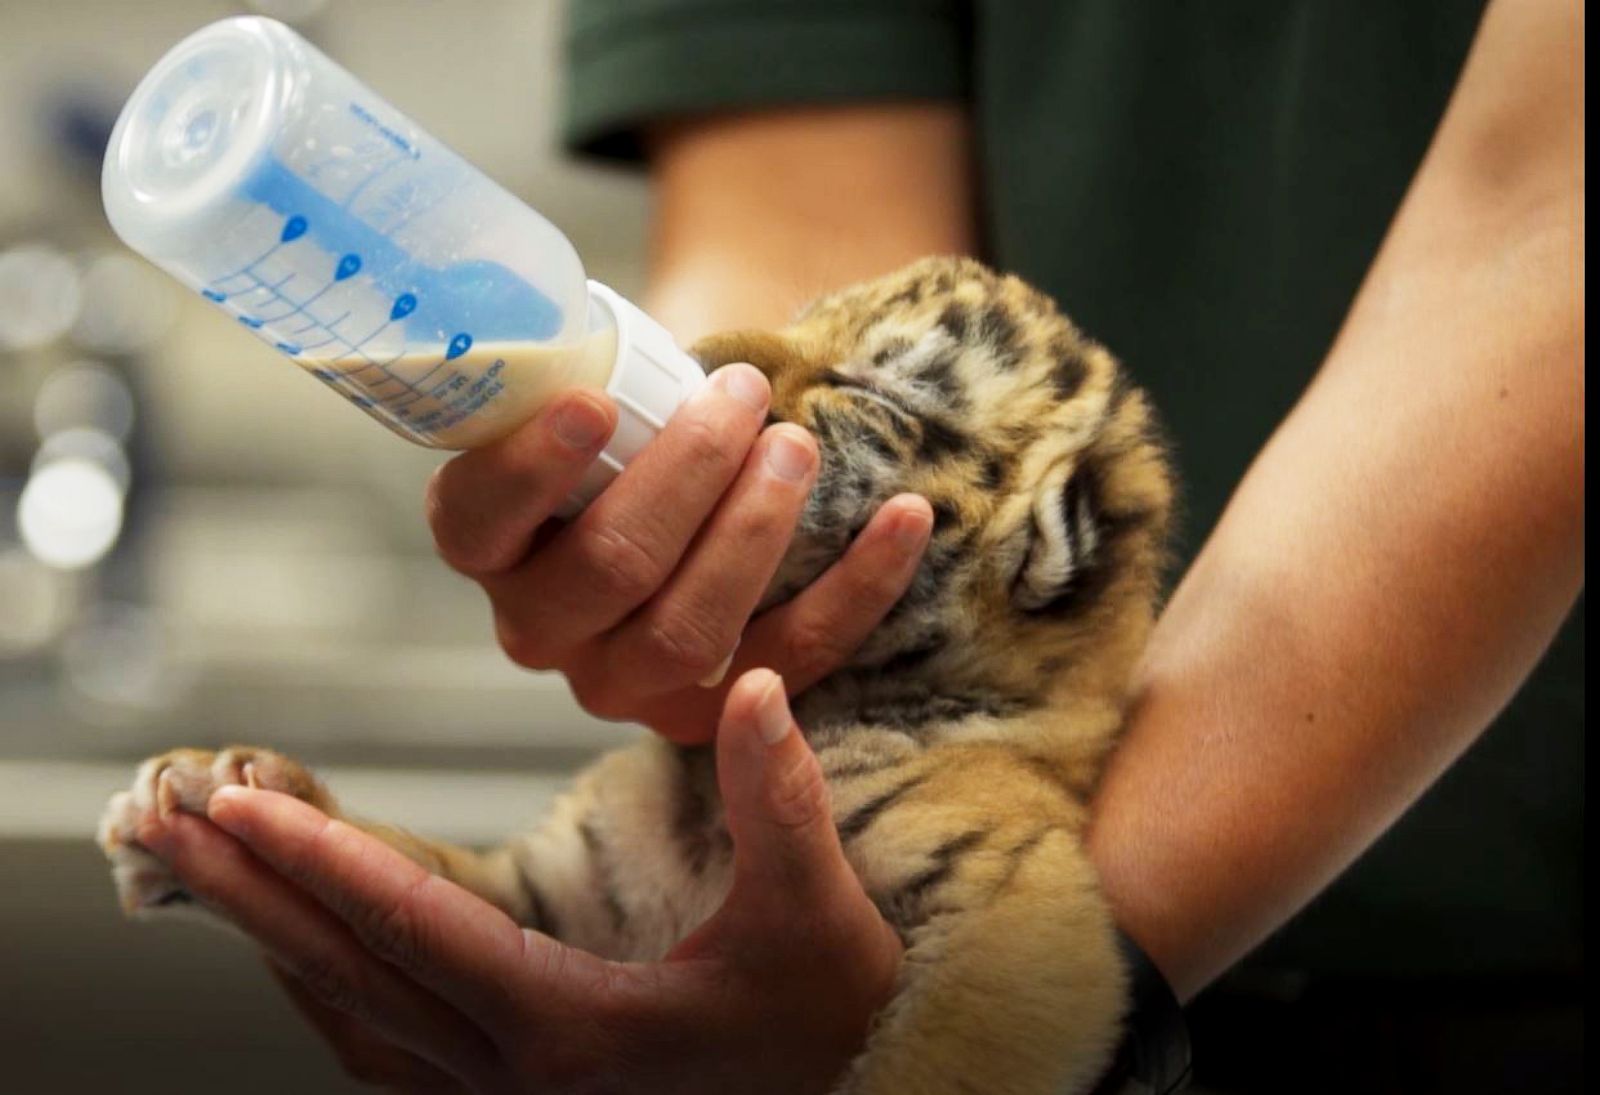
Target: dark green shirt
[(1202, 187)]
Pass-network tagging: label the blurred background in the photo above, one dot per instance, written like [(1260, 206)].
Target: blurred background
[(198, 545)]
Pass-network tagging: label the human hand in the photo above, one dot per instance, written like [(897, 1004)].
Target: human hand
[(651, 589), (420, 985)]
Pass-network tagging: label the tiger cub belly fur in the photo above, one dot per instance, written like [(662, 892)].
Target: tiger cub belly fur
[(963, 739)]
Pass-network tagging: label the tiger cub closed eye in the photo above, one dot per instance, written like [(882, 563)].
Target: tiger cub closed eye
[(962, 740)]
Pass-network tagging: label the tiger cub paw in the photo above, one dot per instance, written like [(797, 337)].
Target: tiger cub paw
[(184, 780)]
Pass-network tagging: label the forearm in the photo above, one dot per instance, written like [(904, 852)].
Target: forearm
[(1394, 563)]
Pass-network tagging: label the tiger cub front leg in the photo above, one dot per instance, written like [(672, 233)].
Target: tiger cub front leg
[(184, 779)]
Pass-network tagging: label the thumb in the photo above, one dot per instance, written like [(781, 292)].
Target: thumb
[(785, 848), (795, 898)]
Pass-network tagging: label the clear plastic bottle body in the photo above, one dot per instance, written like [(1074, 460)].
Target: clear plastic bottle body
[(261, 174)]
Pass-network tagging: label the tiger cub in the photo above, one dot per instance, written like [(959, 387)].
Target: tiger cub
[(962, 741)]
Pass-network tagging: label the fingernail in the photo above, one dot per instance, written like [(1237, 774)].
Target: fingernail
[(745, 383), (788, 458), (580, 424), (911, 529), (772, 713), (720, 673)]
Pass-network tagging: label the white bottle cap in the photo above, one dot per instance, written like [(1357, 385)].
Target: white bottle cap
[(651, 378)]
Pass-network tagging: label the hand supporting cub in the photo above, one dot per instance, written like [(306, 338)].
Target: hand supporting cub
[(651, 591), (420, 985)]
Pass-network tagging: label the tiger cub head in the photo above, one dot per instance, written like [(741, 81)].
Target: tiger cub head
[(1050, 489)]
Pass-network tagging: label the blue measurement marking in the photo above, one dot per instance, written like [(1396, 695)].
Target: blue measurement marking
[(404, 305), (374, 333), (348, 265), (404, 403), (381, 366), (311, 321), (350, 198), (255, 322), (274, 291), (458, 346), (423, 379), (293, 229), (306, 303), (257, 283), (353, 349), (333, 336)]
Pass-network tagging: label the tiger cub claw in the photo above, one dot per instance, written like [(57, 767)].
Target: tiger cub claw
[(183, 780)]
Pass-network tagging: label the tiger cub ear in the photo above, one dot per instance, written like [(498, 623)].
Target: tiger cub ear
[(1066, 538), (768, 351)]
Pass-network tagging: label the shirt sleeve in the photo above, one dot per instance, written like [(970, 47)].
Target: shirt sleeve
[(631, 62)]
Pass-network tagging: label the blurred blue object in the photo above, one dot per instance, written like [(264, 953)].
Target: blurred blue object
[(76, 122)]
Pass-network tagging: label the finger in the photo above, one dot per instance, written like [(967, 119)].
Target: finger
[(313, 945), (444, 938), (777, 804), (693, 624), (816, 632), (795, 905), (618, 552), (485, 505), (364, 1055)]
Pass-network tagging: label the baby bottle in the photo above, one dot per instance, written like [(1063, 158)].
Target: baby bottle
[(256, 171)]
